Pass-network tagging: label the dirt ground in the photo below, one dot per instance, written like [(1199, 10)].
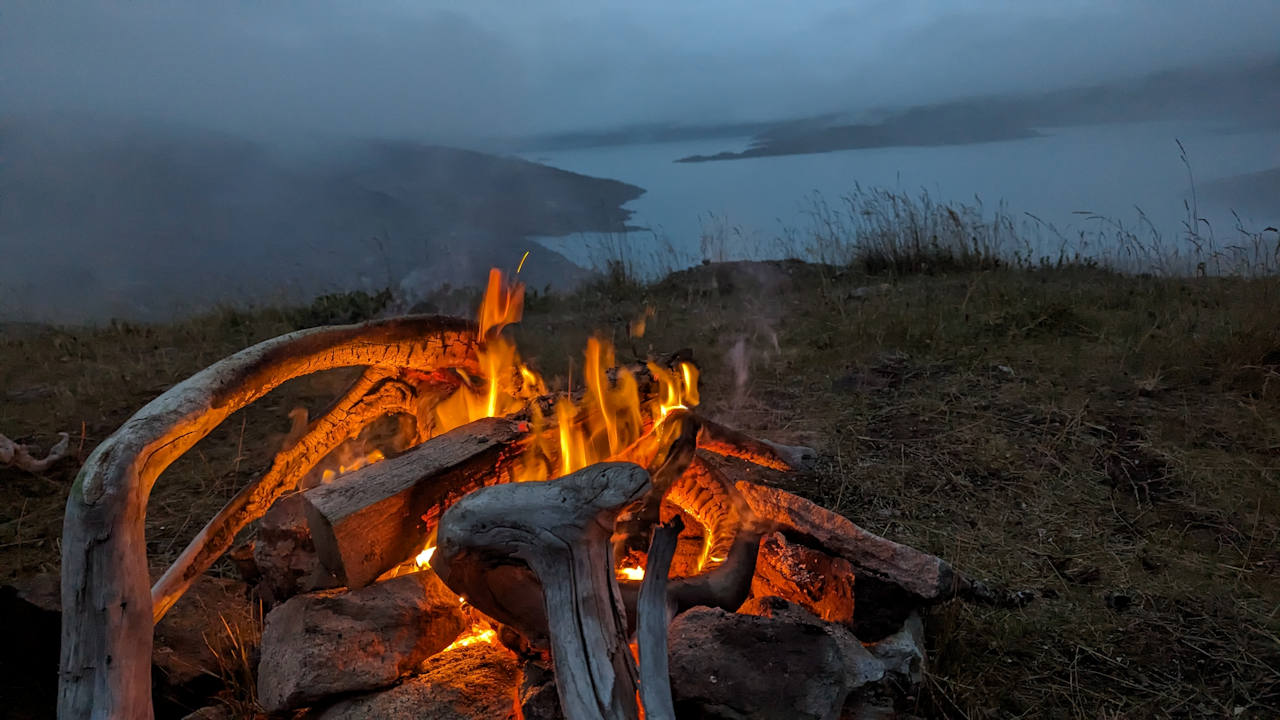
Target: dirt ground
[(1111, 443)]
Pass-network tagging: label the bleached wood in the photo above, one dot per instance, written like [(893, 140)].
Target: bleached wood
[(105, 668), (653, 615), (18, 455), (558, 529), (374, 394)]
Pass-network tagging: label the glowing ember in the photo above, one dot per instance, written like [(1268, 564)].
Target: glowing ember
[(477, 634), (631, 573)]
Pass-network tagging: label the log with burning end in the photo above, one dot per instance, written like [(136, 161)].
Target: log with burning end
[(368, 521), (561, 535), (108, 612)]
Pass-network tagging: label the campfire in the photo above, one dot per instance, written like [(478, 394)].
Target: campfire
[(605, 551)]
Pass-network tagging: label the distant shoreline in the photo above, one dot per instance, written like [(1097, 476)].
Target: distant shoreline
[(861, 137)]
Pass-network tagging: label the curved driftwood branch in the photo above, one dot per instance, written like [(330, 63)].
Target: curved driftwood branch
[(105, 668), (373, 395), (561, 533)]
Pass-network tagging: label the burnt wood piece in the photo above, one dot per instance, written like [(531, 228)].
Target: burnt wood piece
[(724, 440), (559, 530), (654, 611), (819, 583), (919, 573), (665, 452), (108, 610), (367, 521)]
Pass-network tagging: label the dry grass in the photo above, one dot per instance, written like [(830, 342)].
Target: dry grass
[(1111, 442)]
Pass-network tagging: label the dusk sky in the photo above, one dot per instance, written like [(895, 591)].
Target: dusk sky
[(458, 71)]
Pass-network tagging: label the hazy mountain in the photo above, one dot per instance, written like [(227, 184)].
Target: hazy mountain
[(1236, 96), (134, 219)]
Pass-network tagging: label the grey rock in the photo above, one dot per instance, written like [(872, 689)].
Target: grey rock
[(477, 682), (333, 641), (790, 665), (285, 556)]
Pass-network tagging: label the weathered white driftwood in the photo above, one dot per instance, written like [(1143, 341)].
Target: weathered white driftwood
[(654, 610), (374, 394), (561, 532), (19, 455), (105, 668)]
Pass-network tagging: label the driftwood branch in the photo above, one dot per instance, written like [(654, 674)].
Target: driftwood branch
[(654, 611), (374, 394), (18, 455), (107, 606), (561, 534)]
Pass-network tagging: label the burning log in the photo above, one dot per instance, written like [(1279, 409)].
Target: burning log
[(373, 395), (666, 452), (919, 573), (108, 610), (368, 521), (334, 642), (723, 440), (819, 583), (561, 533), (19, 456)]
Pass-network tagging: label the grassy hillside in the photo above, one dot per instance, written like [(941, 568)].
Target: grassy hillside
[(1110, 442)]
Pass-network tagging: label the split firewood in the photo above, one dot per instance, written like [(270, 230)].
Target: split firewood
[(18, 455), (108, 611), (369, 520), (561, 534), (376, 393)]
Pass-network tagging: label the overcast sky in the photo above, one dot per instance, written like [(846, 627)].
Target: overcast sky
[(458, 70)]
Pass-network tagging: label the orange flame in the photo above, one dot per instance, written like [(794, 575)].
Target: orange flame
[(477, 634), (631, 573), (605, 420), (371, 458)]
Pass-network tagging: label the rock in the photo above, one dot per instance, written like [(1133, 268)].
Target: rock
[(284, 555), (539, 699), (477, 681), (186, 668), (790, 666), (812, 579), (334, 641), (32, 610), (212, 712), (924, 575), (902, 653)]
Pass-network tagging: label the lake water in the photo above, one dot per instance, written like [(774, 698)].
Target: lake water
[(1109, 170)]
